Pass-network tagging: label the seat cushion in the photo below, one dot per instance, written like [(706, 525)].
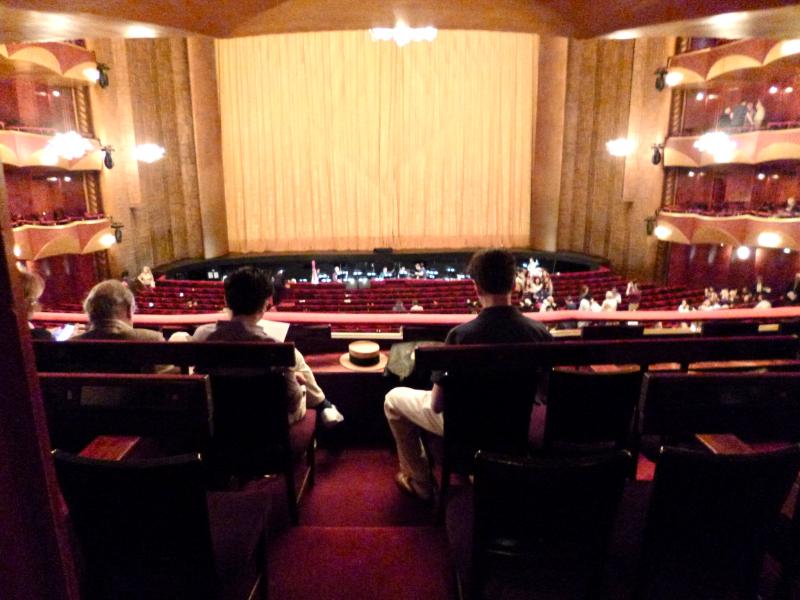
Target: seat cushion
[(302, 432), (238, 532)]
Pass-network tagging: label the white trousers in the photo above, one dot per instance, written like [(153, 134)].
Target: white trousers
[(407, 411)]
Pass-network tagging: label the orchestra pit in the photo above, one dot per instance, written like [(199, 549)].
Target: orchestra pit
[(389, 300)]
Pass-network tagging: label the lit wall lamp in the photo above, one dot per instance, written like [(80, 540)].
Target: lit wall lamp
[(665, 77), (658, 153), (108, 160), (148, 153), (620, 147)]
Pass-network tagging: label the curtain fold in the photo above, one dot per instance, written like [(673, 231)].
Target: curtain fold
[(332, 141)]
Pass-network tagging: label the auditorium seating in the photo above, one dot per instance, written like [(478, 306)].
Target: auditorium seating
[(251, 435), (709, 520), (450, 296), (589, 410), (525, 359), (535, 527), (148, 529)]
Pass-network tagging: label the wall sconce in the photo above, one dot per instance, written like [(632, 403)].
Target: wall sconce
[(665, 77), (117, 227), (108, 161), (658, 153), (102, 75), (661, 78)]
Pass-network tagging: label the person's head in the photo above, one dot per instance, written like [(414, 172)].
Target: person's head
[(146, 270), (124, 274), (32, 290), (610, 295), (791, 202), (109, 300), (584, 290), (493, 271), (247, 291)]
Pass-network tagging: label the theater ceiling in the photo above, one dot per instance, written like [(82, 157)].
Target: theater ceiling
[(28, 20)]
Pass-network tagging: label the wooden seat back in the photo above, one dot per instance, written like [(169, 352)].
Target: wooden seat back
[(708, 521), (641, 352), (172, 411), (749, 405), (129, 356), (143, 526)]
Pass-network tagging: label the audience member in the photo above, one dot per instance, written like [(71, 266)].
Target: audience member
[(739, 115), (548, 304), (146, 278), (762, 302), (725, 119), (684, 306), (247, 294), (793, 293), (759, 114), (760, 287), (409, 410), (610, 302), (32, 290), (633, 295), (110, 307), (791, 208), (416, 306), (399, 306)]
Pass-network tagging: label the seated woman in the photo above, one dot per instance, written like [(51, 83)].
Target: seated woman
[(32, 290), (146, 277)]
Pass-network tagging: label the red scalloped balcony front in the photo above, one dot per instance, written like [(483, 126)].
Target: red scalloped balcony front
[(33, 242), (749, 148), (58, 63), (26, 149), (738, 230)]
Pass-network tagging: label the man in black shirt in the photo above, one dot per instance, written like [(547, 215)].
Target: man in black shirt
[(409, 410)]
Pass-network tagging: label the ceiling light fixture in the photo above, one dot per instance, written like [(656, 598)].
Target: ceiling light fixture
[(401, 34), (743, 253)]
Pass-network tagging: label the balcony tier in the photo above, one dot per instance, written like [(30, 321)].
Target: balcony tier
[(33, 242), (752, 148), (26, 149), (739, 230), (701, 66), (56, 63)]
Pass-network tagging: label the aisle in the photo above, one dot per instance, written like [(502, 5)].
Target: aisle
[(359, 537)]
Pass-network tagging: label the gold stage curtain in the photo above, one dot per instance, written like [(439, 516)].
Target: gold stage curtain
[(332, 141)]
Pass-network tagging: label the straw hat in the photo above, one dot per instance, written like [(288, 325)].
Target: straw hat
[(364, 356)]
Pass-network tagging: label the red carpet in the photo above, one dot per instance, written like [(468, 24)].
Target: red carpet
[(360, 537), (352, 563), (355, 488)]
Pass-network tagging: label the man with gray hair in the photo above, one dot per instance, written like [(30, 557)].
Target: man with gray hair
[(110, 306)]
